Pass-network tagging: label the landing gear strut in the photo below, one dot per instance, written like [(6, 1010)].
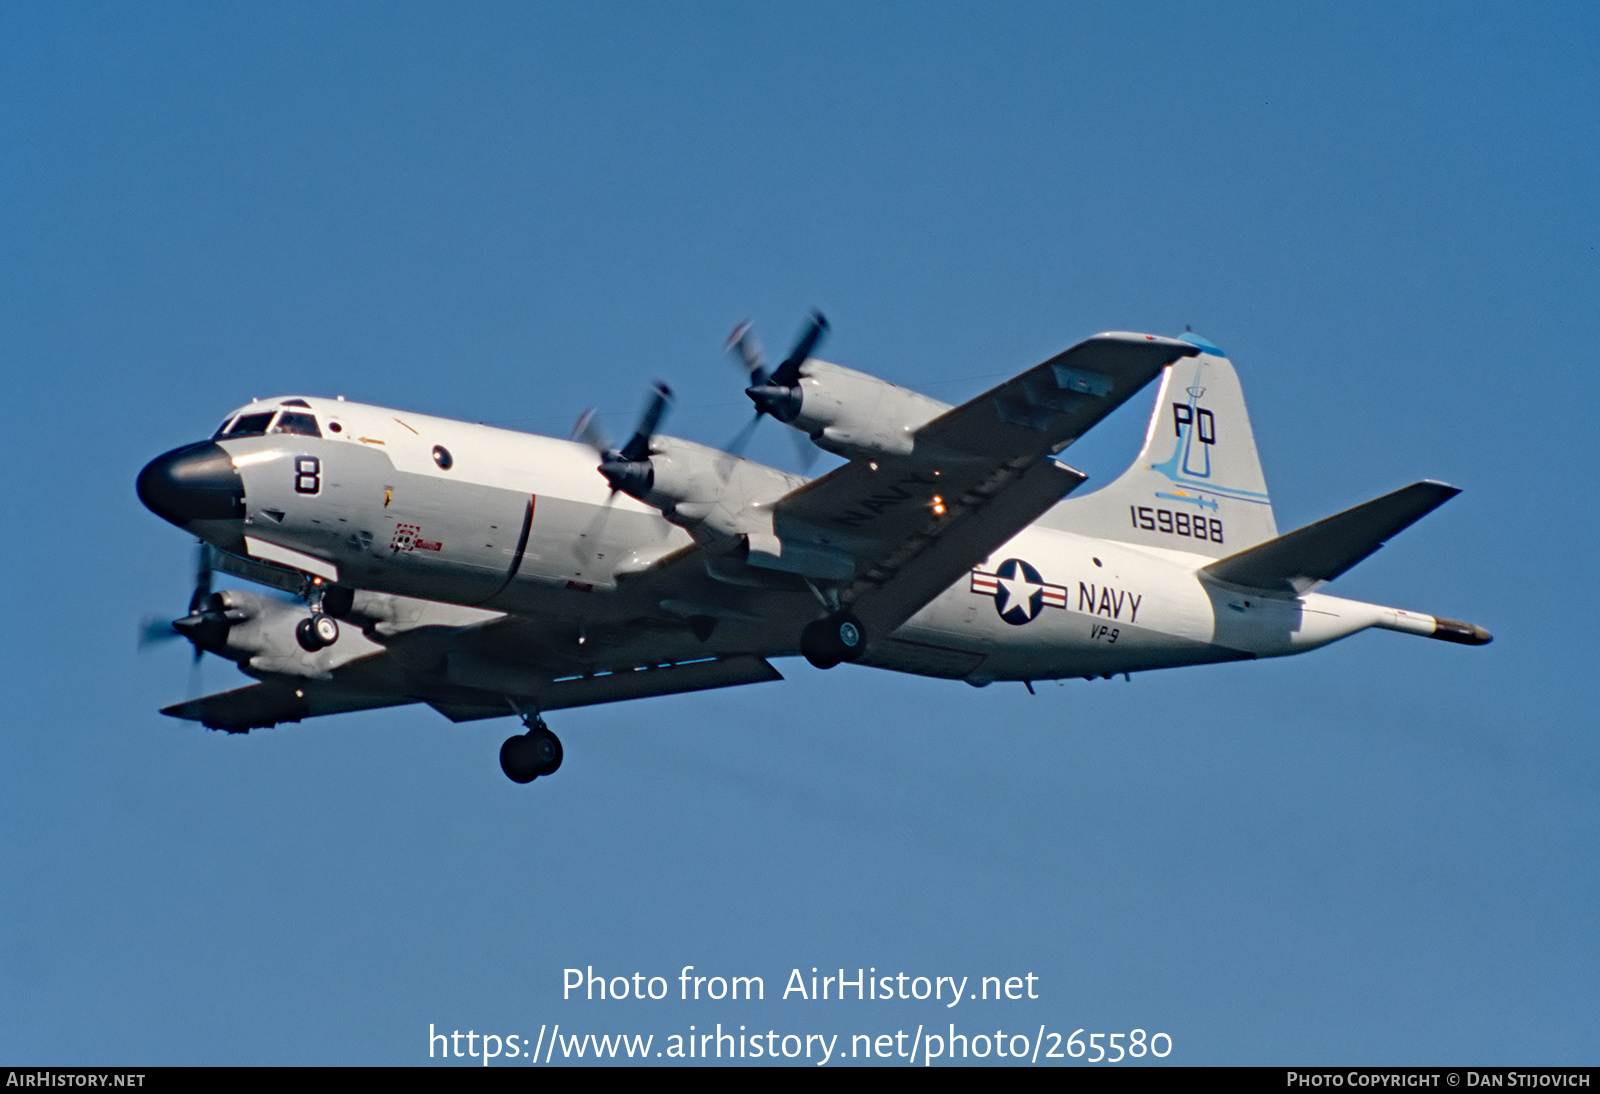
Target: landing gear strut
[(528, 755), (329, 604), (826, 642)]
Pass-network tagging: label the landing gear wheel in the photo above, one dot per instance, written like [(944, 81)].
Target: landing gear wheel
[(326, 628), (826, 642), (318, 632), (813, 643), (518, 761), (528, 755)]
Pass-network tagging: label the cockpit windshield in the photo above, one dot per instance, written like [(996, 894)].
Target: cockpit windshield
[(293, 422), (261, 422), (248, 425)]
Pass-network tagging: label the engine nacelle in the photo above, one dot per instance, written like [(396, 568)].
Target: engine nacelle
[(257, 633), (858, 416), (713, 495)]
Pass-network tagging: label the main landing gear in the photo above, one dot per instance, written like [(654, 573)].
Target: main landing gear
[(318, 632), (839, 637), (330, 604), (528, 755)]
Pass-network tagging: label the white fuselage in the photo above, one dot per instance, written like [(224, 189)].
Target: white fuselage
[(468, 514)]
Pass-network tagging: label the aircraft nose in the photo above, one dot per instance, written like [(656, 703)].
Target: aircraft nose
[(195, 482)]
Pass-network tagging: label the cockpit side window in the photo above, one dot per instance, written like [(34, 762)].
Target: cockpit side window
[(249, 425), (293, 422)]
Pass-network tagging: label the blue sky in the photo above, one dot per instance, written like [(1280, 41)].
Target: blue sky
[(1382, 852)]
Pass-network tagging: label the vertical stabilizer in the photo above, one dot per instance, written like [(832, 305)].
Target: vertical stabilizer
[(1196, 484)]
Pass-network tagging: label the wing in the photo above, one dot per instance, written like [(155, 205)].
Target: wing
[(493, 692), (257, 706), (488, 668), (639, 682), (978, 474), (1053, 404)]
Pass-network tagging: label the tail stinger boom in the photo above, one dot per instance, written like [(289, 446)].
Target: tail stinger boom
[(1433, 626)]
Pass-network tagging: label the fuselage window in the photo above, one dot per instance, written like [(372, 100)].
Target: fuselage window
[(303, 425), (249, 425)]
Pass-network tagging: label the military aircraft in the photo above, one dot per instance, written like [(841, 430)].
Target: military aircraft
[(493, 573)]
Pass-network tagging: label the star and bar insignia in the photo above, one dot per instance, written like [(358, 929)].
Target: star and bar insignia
[(1019, 592)]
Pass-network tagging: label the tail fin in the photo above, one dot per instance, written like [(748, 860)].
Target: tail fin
[(1196, 485)]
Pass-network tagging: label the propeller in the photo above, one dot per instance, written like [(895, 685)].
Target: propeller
[(589, 431), (206, 625), (209, 616), (202, 578), (154, 630), (776, 393), (628, 469)]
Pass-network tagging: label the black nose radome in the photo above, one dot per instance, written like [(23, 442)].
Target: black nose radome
[(195, 482)]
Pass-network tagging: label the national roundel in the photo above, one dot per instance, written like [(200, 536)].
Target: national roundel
[(1020, 597)]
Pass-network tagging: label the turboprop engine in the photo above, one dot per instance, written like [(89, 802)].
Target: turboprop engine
[(711, 494), (258, 633), (260, 637), (855, 415), (715, 496), (848, 413)]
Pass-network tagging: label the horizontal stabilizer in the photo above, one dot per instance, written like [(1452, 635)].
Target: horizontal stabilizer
[(1309, 556)]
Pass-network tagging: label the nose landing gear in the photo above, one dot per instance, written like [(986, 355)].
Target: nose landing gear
[(528, 755)]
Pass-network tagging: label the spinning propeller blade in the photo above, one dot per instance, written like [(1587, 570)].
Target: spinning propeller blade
[(736, 446), (629, 469), (638, 446), (589, 432), (804, 450), (777, 393), (788, 373), (207, 620), (153, 630), (743, 345), (200, 598)]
